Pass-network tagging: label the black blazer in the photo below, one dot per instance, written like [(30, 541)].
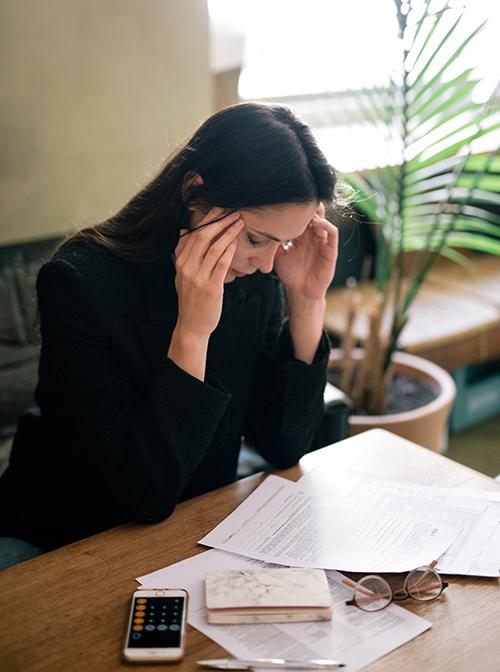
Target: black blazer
[(122, 433)]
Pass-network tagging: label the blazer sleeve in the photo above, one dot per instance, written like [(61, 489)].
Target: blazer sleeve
[(146, 446), (287, 399)]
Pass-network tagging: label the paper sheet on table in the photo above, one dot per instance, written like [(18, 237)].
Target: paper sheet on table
[(281, 522), (353, 637), (475, 551), (488, 495)]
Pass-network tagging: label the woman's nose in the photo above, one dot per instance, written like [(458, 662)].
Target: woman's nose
[(264, 261)]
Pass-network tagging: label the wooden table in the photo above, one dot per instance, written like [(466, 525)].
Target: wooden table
[(67, 610)]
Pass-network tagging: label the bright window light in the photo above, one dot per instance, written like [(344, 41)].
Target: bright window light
[(295, 48)]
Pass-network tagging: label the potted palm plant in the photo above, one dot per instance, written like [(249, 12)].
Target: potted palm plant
[(441, 198)]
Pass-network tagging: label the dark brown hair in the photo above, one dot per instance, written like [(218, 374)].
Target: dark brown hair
[(249, 155)]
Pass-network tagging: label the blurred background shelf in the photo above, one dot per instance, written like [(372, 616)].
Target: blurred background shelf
[(454, 322)]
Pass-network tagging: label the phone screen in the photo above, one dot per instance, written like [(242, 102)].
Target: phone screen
[(156, 622)]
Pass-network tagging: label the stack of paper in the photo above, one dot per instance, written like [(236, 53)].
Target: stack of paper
[(352, 522), (283, 522), (476, 548)]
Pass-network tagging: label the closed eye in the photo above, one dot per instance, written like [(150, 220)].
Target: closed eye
[(255, 242)]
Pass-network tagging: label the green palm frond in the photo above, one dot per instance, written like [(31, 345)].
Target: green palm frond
[(441, 196)]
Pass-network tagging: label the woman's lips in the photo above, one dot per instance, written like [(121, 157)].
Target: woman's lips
[(237, 273)]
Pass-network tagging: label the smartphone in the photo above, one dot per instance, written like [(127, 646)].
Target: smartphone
[(156, 626)]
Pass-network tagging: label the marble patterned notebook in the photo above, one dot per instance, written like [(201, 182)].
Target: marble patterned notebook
[(271, 595)]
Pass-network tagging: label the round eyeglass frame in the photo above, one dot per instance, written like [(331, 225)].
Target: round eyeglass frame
[(379, 594)]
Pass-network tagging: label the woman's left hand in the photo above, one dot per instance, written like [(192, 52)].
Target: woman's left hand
[(306, 269)]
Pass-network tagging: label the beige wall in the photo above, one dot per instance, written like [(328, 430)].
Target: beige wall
[(94, 95), (225, 88)]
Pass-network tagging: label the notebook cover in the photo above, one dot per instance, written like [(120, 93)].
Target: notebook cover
[(267, 595)]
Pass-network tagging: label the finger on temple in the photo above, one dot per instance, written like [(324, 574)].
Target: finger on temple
[(321, 233), (221, 268), (333, 235), (323, 228), (217, 249), (217, 215), (199, 244), (217, 228)]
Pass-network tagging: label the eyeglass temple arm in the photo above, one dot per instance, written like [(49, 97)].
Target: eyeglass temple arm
[(354, 584), (426, 573)]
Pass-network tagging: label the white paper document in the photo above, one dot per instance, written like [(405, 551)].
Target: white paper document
[(476, 550), (353, 637), (281, 522)]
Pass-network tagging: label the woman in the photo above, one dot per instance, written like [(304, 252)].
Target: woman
[(163, 340)]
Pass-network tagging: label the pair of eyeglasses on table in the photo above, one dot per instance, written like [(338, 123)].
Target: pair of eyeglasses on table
[(373, 592)]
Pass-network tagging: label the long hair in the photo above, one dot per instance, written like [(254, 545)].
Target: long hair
[(249, 155)]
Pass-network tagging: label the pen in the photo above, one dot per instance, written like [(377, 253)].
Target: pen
[(239, 664)]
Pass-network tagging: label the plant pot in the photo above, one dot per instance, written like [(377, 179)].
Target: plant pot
[(425, 425)]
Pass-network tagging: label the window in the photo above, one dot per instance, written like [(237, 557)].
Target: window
[(311, 54)]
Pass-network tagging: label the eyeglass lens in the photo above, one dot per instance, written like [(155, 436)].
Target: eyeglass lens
[(423, 584), (372, 593)]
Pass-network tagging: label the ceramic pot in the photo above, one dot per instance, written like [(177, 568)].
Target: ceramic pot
[(426, 425)]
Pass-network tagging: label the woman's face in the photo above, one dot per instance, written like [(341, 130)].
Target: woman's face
[(265, 229)]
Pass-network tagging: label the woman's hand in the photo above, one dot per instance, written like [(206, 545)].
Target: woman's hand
[(202, 260), (306, 269)]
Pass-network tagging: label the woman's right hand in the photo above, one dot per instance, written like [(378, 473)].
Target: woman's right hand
[(202, 260)]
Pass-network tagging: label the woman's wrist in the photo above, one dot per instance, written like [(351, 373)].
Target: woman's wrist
[(306, 319), (189, 351), (303, 304)]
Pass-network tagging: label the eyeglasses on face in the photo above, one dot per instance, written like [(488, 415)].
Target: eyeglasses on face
[(373, 592)]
